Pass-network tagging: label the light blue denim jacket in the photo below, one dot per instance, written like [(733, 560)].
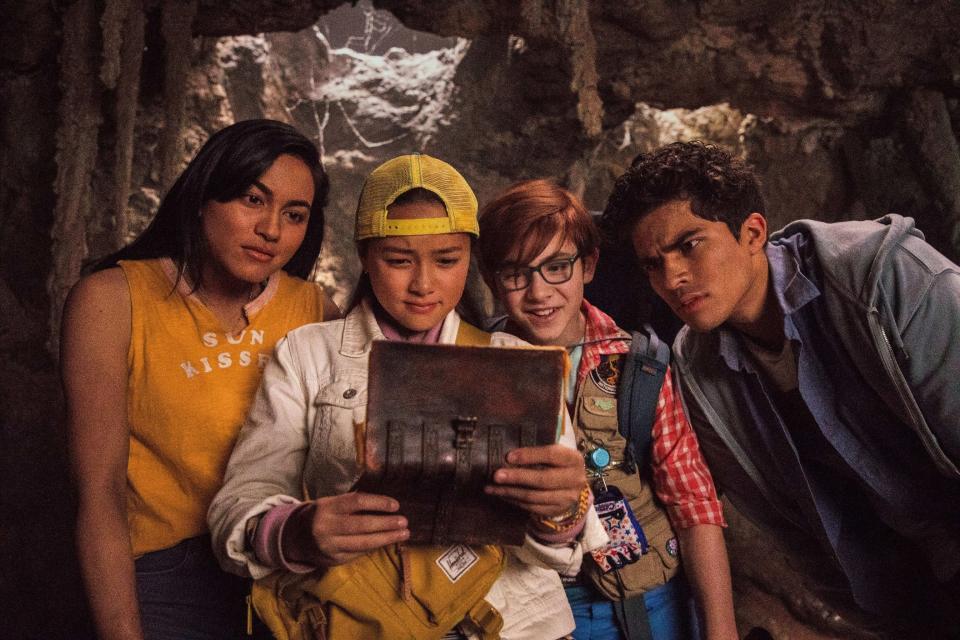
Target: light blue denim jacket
[(874, 314)]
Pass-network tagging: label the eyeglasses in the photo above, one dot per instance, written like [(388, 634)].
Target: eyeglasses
[(556, 271)]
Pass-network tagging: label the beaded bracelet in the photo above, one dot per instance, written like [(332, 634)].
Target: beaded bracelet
[(571, 517)]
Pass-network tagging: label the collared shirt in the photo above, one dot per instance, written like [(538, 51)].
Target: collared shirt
[(792, 289), (851, 476), (681, 479)]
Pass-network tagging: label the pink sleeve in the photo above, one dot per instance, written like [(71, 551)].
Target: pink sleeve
[(266, 540)]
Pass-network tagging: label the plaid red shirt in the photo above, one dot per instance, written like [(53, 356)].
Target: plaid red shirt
[(680, 476)]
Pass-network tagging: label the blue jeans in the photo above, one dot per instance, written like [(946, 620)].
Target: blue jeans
[(669, 613), (184, 595)]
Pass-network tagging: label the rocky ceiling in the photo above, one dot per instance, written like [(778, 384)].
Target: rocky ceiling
[(856, 104), (854, 109), (841, 59)]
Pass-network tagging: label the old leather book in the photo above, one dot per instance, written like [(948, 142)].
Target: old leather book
[(440, 421)]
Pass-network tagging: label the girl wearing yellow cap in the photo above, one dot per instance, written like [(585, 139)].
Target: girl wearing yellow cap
[(416, 221)]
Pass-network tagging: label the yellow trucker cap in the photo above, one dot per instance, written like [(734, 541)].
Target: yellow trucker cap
[(395, 177)]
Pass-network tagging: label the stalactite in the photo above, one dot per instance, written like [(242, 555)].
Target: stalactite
[(532, 13), (573, 17), (112, 23), (79, 118), (177, 31), (127, 91), (119, 50), (571, 28)]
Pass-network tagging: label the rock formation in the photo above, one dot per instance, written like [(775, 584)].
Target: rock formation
[(848, 109)]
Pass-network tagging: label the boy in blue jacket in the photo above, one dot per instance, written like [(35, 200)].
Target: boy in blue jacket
[(819, 370)]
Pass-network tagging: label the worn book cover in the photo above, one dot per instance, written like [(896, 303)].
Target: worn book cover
[(440, 421)]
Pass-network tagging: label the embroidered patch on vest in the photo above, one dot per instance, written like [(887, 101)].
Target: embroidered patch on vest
[(602, 404), (607, 373), (456, 561), (673, 547), (627, 540)]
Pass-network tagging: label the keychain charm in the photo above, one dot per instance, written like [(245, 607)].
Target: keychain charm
[(627, 540), (597, 460)]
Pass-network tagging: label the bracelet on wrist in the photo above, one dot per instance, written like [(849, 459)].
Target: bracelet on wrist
[(571, 516)]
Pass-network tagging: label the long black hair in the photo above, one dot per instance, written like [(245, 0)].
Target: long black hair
[(230, 161)]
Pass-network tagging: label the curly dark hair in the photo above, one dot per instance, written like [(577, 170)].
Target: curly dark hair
[(718, 186)]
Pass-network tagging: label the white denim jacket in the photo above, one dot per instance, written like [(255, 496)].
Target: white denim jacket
[(300, 433)]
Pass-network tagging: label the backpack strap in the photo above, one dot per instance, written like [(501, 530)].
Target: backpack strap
[(632, 617), (641, 378), (487, 619), (470, 336), (496, 323)]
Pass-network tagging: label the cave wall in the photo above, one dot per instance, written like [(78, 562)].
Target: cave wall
[(848, 109), (856, 105), (36, 506)]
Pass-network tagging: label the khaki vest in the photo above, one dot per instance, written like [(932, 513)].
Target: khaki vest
[(595, 421)]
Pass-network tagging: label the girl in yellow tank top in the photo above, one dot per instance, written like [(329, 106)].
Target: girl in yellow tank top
[(162, 349)]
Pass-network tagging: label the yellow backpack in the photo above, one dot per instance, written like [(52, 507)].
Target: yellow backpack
[(395, 592)]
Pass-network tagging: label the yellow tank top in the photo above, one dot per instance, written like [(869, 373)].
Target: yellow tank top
[(189, 389)]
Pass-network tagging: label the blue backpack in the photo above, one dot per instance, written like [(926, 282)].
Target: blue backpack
[(641, 378)]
